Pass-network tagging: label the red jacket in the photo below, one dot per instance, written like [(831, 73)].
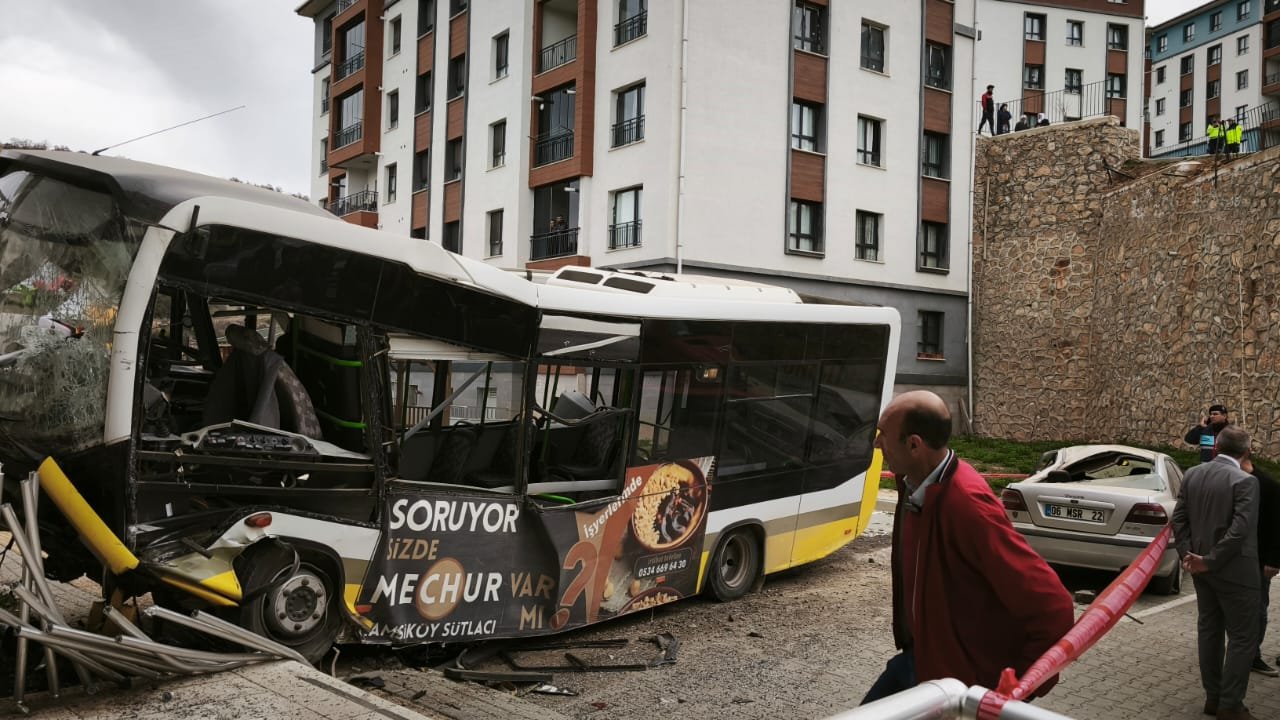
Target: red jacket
[(984, 600)]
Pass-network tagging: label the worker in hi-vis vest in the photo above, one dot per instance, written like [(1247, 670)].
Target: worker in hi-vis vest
[(1214, 131), (1234, 136)]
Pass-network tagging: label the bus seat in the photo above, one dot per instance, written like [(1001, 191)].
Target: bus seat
[(593, 458), (501, 471), (451, 457), (257, 385)]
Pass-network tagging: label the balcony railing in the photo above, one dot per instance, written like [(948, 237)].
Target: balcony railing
[(349, 134), (366, 200), (1258, 134), (628, 131), (1075, 102), (553, 147), (558, 243), (631, 28), (351, 65), (344, 4), (1272, 78), (624, 235), (553, 56)]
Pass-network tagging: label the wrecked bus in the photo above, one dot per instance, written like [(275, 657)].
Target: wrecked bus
[(330, 433)]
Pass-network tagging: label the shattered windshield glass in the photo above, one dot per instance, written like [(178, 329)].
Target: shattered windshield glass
[(65, 253)]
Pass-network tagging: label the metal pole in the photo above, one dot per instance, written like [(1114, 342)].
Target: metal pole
[(31, 503), (215, 626), (932, 699)]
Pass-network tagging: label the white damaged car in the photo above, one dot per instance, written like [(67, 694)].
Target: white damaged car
[(1098, 506)]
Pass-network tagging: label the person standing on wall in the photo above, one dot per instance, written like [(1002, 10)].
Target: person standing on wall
[(1268, 552), (970, 596), (988, 111), (1003, 118), (1205, 435), (1233, 135), (1214, 133), (1215, 530)]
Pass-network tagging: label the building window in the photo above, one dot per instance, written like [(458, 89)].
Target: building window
[(395, 35), (501, 43), (422, 93), (324, 155), (1074, 81), (929, 346), (624, 225), (1242, 10), (809, 26), (1188, 64), (1240, 111), (804, 227), (393, 109), (867, 244), (453, 160), (418, 233), (933, 246), (1115, 85), (426, 16), (1185, 98), (873, 39), (1159, 74), (1075, 32), (1033, 26), (633, 21), (389, 185), (452, 240), (421, 170), (1215, 55), (1159, 138), (457, 6), (806, 126), (1242, 45), (498, 144), (495, 233), (1188, 32), (457, 76), (1159, 106), (934, 154), (869, 139), (326, 34), (1117, 37), (1242, 79), (938, 67), (1212, 89), (1184, 132), (1162, 43), (1033, 77), (350, 111), (628, 125), (324, 96), (1215, 22)]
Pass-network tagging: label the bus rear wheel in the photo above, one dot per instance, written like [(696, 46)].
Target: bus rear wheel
[(735, 565), (297, 608)]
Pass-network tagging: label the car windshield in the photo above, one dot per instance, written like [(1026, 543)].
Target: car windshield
[(65, 254)]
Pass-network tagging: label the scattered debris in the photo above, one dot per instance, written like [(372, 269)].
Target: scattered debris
[(368, 681), (549, 689), (600, 705)]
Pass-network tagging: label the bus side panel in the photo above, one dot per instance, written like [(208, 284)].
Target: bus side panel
[(832, 518)]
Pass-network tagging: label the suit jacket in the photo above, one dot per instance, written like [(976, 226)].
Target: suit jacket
[(1217, 517)]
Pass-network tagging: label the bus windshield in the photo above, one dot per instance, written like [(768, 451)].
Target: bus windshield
[(65, 254)]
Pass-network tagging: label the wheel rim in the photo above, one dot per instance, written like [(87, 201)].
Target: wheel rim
[(298, 605), (733, 561)]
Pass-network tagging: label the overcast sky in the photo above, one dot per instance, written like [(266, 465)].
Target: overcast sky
[(90, 73)]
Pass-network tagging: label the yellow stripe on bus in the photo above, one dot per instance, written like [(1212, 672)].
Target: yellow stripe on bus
[(350, 594), (104, 543), (819, 541), (206, 595), (225, 584)]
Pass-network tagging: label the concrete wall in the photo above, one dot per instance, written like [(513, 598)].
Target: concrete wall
[(1115, 308)]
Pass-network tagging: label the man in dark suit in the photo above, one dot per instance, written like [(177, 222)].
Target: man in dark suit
[(1268, 552), (1215, 528)]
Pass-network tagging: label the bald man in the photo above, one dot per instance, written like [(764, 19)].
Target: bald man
[(970, 596)]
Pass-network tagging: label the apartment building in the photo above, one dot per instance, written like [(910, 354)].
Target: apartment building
[(822, 146), (1220, 60), (1076, 58)]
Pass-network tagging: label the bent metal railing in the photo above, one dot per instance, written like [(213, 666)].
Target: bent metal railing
[(949, 698)]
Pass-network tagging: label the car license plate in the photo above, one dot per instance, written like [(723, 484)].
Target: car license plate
[(1069, 512)]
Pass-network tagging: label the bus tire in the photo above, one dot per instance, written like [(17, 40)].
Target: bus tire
[(735, 565), (297, 606)]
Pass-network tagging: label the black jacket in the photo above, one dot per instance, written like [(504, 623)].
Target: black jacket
[(1268, 518), (1196, 436)]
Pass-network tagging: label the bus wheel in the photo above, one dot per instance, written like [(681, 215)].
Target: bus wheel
[(298, 608), (735, 566)]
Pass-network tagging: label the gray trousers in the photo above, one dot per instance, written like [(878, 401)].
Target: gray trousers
[(1264, 602), (1231, 610)]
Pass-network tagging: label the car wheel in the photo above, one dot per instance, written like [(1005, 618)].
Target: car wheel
[(298, 607), (735, 565), (1170, 584)]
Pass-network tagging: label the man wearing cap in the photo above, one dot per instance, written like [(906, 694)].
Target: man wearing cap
[(988, 110), (1205, 435)]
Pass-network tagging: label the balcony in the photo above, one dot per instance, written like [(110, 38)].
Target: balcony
[(561, 53), (348, 67), (630, 29), (624, 235), (553, 147), (366, 200), (558, 243), (349, 134), (628, 131)]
